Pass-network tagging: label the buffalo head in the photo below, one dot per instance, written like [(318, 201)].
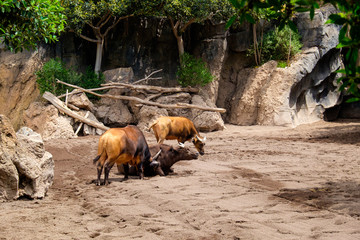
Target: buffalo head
[(199, 144)]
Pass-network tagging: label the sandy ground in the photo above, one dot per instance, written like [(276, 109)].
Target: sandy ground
[(254, 182)]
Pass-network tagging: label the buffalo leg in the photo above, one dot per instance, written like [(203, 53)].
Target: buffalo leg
[(99, 171), (107, 169), (141, 170), (126, 171)]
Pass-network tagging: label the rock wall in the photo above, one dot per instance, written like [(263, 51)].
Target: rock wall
[(265, 95), (18, 82), (289, 96)]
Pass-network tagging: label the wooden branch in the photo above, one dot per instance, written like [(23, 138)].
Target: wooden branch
[(145, 102), (61, 106), (149, 88), (148, 77), (117, 21), (89, 39), (182, 30), (81, 124)]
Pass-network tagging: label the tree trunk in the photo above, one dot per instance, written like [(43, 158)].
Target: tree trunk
[(180, 43), (99, 50)]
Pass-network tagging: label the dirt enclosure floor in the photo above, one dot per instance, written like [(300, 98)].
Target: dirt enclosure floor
[(254, 182)]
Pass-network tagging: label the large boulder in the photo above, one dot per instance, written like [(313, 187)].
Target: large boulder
[(35, 165), (205, 121), (9, 177), (174, 99), (26, 169), (46, 120), (148, 114), (112, 112)]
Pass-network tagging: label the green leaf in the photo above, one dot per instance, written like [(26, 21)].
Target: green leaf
[(235, 3), (231, 21), (292, 26), (249, 18), (312, 12), (336, 19), (342, 32), (353, 99)]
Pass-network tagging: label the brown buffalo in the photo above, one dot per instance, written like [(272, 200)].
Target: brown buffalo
[(168, 157), (123, 146), (179, 128)]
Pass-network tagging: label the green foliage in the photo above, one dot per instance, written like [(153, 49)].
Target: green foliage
[(24, 23), (349, 39), (277, 43), (196, 10), (56, 69), (81, 13), (103, 14), (193, 72), (282, 64)]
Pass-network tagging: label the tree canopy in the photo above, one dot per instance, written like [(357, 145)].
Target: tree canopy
[(102, 16), (24, 23), (183, 13)]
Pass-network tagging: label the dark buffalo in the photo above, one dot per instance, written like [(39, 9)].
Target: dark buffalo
[(168, 157)]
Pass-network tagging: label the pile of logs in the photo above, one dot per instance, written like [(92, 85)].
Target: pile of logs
[(150, 91)]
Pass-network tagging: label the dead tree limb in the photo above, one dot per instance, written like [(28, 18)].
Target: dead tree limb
[(145, 102), (149, 77), (153, 89), (61, 106)]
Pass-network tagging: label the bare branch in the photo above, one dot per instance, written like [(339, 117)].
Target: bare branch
[(90, 39), (145, 102), (149, 77), (120, 18), (187, 24)]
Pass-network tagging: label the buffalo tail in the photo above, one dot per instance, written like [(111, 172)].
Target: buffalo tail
[(96, 159)]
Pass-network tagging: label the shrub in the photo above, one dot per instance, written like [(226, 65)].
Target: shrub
[(193, 72), (56, 69), (276, 45)]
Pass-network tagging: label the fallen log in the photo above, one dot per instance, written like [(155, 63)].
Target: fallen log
[(62, 108), (149, 88), (145, 102)]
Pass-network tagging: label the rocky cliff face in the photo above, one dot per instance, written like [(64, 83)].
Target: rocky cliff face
[(17, 82), (291, 96), (265, 95)]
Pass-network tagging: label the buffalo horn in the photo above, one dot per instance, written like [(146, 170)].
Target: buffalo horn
[(156, 155), (201, 140)]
